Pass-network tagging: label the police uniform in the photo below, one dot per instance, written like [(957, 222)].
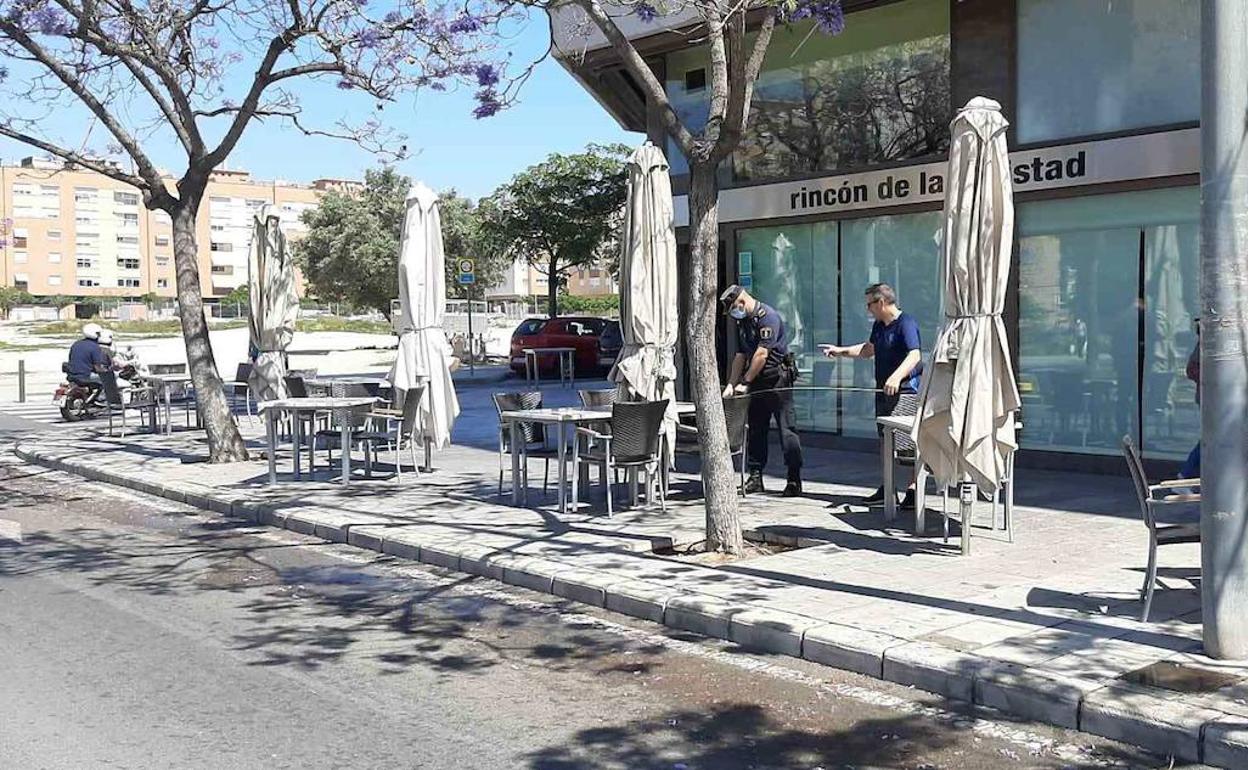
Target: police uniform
[(770, 397)]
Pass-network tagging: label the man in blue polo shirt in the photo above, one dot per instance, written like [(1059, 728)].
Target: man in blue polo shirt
[(895, 345), (87, 358)]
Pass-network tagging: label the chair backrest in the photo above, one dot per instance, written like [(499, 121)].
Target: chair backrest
[(1136, 466), (736, 415), (411, 409), (349, 390), (112, 393), (295, 387), (635, 428), (243, 373), (533, 432), (605, 397)]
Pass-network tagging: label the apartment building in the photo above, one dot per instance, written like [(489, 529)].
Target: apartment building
[(73, 232)]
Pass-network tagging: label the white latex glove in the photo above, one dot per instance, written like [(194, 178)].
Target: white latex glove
[(742, 389), (727, 391)]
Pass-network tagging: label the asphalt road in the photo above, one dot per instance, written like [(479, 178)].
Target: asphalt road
[(140, 633)]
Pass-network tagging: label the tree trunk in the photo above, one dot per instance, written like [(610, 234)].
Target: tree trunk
[(224, 442), (723, 521), (552, 291)]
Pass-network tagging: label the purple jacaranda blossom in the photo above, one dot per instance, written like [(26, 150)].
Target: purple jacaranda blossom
[(212, 43), (369, 38), (646, 12), (828, 15), (464, 24), (345, 85), (394, 17), (48, 20), (437, 86), (487, 75), (487, 103)]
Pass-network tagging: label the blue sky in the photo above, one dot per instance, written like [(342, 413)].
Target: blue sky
[(449, 148)]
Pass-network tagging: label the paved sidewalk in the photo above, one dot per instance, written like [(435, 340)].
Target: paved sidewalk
[(1043, 628)]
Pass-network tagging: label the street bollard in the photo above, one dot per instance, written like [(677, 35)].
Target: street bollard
[(21, 380)]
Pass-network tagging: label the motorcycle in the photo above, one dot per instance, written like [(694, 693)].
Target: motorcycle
[(78, 401)]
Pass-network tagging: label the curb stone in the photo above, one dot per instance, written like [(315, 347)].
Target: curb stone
[(1115, 711)]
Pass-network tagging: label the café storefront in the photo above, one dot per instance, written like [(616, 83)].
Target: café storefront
[(840, 179)]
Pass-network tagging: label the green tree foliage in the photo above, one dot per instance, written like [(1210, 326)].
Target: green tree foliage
[(351, 251), (11, 298), (560, 214)]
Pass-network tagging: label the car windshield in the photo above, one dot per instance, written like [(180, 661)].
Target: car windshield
[(531, 326)]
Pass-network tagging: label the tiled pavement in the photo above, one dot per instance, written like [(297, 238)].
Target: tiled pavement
[(1041, 628)]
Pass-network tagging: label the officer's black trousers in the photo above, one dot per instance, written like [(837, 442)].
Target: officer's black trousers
[(765, 403)]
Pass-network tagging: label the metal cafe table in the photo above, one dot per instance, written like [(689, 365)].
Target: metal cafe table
[(345, 407), (567, 364), (560, 417), (165, 384)]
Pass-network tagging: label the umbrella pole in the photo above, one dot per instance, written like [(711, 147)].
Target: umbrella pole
[(966, 504)]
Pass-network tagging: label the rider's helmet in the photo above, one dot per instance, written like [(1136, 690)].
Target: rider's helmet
[(92, 331), (106, 337)]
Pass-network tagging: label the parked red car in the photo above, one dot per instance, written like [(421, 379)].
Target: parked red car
[(597, 342)]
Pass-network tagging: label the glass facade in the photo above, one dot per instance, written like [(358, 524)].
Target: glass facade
[(1097, 66), (1108, 290), (815, 274), (821, 103)]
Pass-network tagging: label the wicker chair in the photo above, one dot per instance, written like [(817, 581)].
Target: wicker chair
[(533, 436), (604, 397), (1172, 517), (736, 415), (634, 444), (357, 423), (398, 431), (240, 383), (137, 399)]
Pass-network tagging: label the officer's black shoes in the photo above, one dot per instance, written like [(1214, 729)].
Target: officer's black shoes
[(792, 489), (754, 483), (908, 503), (876, 497)]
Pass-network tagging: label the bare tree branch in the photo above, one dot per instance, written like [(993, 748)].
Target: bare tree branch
[(73, 157), (745, 75)]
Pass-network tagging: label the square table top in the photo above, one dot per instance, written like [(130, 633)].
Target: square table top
[(316, 403)]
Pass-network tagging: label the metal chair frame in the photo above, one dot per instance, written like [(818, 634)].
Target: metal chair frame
[(634, 444)]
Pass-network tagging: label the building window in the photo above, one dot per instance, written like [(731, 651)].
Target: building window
[(54, 235), (126, 199), (1080, 321), (823, 103), (222, 247), (162, 240), (222, 270), (54, 280), (129, 240), (21, 189), (88, 282), (54, 257), (86, 239), (162, 261), (20, 257), (19, 241), (85, 263), (128, 263), (21, 281), (84, 194), (253, 204), (162, 283), (128, 283), (1145, 55), (128, 220)]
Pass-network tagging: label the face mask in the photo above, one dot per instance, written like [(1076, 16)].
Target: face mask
[(737, 313)]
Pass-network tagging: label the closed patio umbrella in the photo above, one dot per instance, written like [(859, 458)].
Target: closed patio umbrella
[(646, 368), (424, 356), (274, 304), (965, 428)]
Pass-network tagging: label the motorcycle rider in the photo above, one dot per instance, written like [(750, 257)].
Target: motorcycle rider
[(87, 359)]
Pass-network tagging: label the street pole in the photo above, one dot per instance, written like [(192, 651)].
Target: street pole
[(472, 371), (1224, 328)]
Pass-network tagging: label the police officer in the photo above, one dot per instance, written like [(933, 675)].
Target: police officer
[(764, 368)]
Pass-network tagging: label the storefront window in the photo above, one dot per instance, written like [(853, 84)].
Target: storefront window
[(878, 93), (1096, 66), (1085, 318), (901, 251), (794, 269)]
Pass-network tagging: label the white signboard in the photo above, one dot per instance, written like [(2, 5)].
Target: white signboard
[(1150, 156)]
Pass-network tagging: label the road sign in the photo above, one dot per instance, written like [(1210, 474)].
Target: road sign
[(467, 272)]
